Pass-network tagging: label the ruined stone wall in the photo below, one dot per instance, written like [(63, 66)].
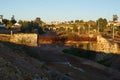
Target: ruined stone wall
[(103, 45), (106, 47), (26, 39)]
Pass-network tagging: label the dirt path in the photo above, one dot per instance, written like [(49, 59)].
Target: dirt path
[(77, 68)]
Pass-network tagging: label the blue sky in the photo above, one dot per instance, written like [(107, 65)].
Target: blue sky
[(60, 10)]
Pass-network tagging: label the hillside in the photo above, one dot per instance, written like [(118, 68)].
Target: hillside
[(47, 62)]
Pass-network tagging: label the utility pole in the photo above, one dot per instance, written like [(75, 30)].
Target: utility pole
[(78, 30), (113, 33), (98, 26), (114, 24), (115, 20), (89, 29)]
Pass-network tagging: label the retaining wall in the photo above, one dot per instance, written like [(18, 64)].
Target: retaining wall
[(26, 39), (107, 47)]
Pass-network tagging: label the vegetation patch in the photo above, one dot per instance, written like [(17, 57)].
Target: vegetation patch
[(77, 52), (104, 62), (87, 55)]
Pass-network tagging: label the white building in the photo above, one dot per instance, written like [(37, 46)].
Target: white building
[(53, 22), (110, 23), (1, 18), (16, 25)]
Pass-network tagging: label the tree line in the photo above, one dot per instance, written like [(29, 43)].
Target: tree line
[(34, 26), (81, 26)]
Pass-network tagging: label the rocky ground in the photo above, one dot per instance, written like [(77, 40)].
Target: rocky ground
[(74, 67), (48, 62)]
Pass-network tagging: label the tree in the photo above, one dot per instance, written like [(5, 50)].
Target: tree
[(35, 25), (92, 23), (101, 24), (39, 21), (13, 20), (20, 21), (72, 21), (24, 26), (9, 25), (76, 21), (75, 28), (115, 18), (31, 26), (81, 21), (40, 30), (5, 21)]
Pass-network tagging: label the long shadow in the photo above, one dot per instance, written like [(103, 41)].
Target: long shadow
[(46, 53), (103, 58), (39, 51)]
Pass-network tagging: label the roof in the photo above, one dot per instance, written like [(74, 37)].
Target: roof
[(17, 24)]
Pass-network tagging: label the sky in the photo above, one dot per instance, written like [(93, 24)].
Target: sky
[(59, 10)]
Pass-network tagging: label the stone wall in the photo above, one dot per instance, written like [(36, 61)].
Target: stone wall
[(26, 39), (105, 47)]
